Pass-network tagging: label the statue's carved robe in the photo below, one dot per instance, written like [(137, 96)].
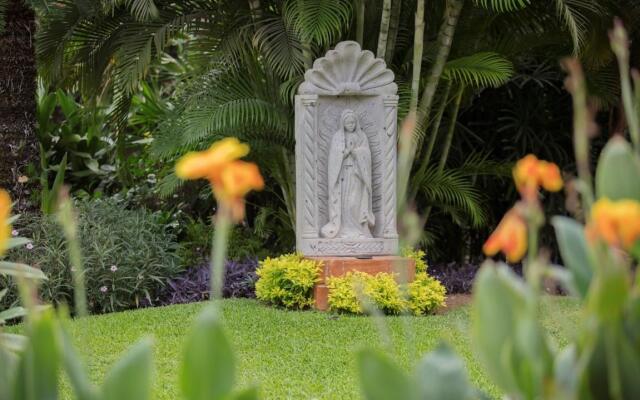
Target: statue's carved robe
[(349, 183)]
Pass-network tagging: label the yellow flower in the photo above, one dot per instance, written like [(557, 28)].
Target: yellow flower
[(5, 227), (210, 163), (530, 174), (510, 237), (615, 222)]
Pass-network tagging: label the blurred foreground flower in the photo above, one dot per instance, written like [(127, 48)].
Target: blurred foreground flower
[(229, 178), (5, 227), (510, 237), (530, 174), (615, 222)]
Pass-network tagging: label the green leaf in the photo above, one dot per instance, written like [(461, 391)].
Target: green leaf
[(12, 313), (208, 367), (567, 372), (8, 361), (39, 364), (574, 251), (17, 242), (618, 172), (380, 379), (130, 377), (82, 387), (441, 375), (13, 342), (23, 270), (501, 304)]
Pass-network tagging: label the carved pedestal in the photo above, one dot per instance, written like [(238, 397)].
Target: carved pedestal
[(403, 268)]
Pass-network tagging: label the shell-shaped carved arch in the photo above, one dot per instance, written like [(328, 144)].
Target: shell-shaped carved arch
[(348, 69)]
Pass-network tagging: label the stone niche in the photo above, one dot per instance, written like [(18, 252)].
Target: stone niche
[(346, 130)]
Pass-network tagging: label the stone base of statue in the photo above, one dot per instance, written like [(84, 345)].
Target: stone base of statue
[(403, 268)]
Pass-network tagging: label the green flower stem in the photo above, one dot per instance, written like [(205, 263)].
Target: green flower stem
[(67, 221), (219, 251)]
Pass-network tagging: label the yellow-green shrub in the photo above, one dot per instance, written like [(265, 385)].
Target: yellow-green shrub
[(287, 281), (424, 295), (416, 255)]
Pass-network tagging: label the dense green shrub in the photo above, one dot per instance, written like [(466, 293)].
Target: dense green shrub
[(287, 281), (416, 255), (128, 256), (347, 293)]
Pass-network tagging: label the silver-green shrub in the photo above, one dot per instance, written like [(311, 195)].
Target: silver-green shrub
[(128, 256)]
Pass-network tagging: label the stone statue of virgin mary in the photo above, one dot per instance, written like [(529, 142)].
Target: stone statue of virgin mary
[(349, 182)]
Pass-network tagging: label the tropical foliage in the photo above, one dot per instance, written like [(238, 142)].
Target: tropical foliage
[(241, 63)]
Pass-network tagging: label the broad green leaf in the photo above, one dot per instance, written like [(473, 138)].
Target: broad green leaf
[(629, 366), (8, 363), (130, 377), (82, 387), (567, 372), (499, 299), (208, 367), (574, 251), (380, 379), (17, 242), (441, 375), (618, 173), (13, 342), (40, 362), (12, 313), (23, 270)]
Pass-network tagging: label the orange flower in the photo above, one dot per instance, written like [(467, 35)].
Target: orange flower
[(615, 222), (210, 163), (238, 179), (5, 227), (510, 237), (530, 174), (230, 179)]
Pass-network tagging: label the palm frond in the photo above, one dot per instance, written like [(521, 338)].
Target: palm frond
[(318, 21), (481, 69), (450, 190), (574, 15), (502, 5), (221, 104), (280, 46)]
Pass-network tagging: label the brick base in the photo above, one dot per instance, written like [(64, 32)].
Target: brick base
[(403, 268)]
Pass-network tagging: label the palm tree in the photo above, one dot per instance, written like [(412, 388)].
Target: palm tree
[(18, 144)]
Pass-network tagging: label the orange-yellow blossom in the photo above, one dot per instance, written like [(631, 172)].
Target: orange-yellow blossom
[(210, 163), (530, 174), (615, 222), (230, 178), (510, 237), (238, 179), (5, 227)]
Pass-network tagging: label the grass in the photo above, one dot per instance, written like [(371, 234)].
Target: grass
[(290, 354)]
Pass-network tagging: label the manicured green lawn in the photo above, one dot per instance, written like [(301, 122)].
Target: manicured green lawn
[(297, 355)]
